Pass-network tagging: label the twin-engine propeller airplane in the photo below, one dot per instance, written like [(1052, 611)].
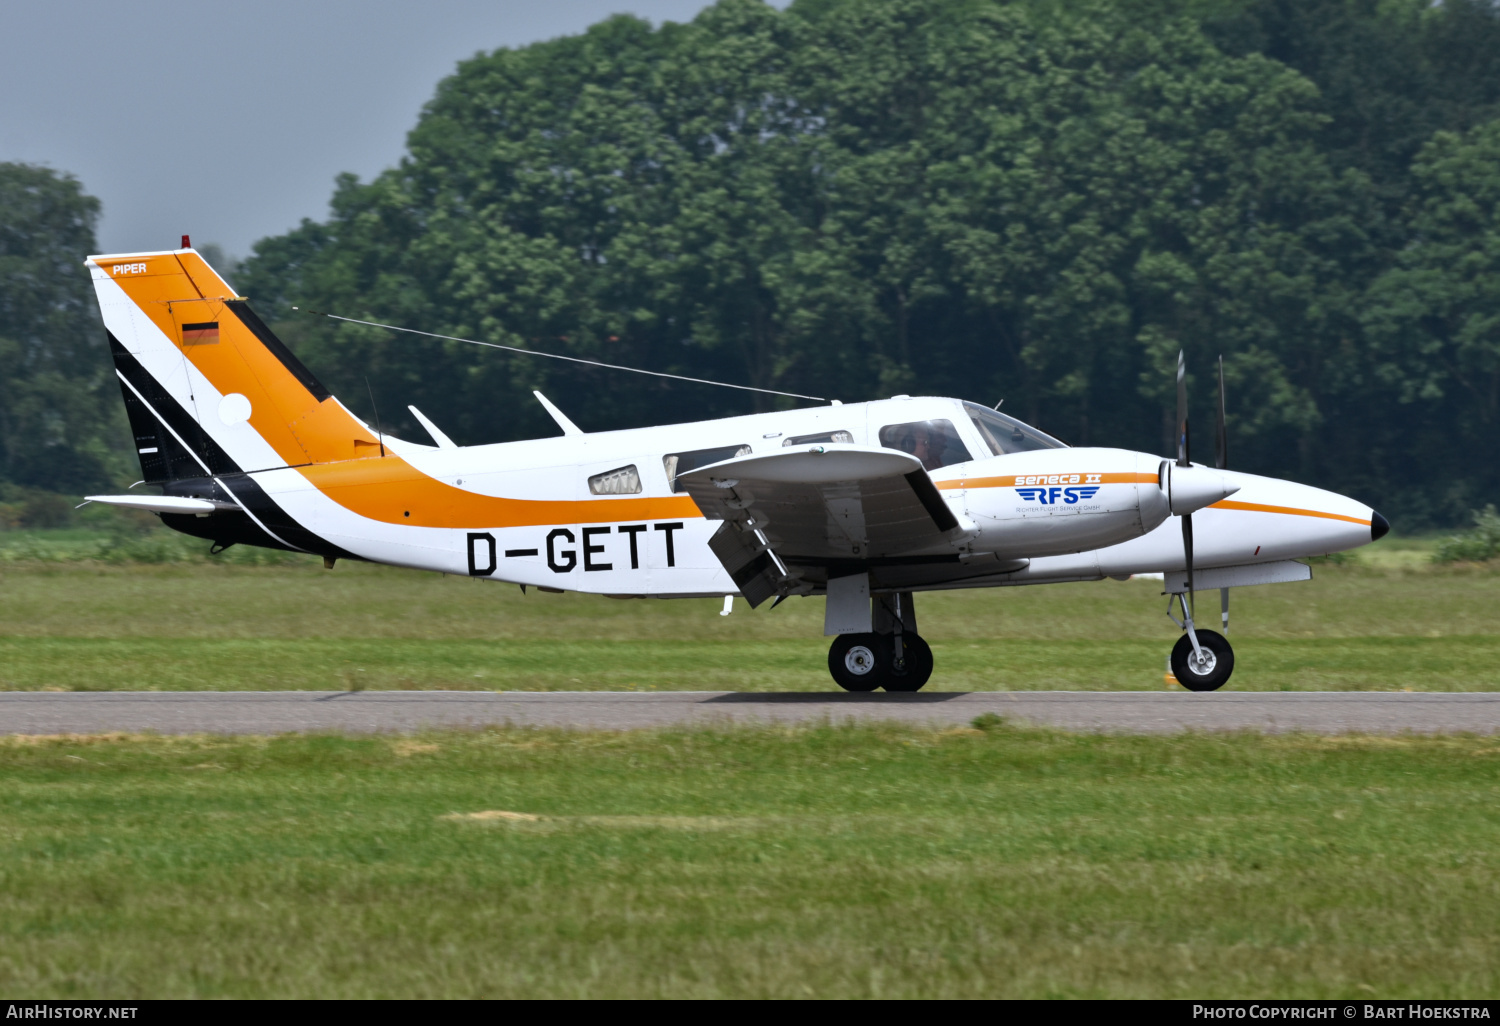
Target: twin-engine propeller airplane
[(865, 503)]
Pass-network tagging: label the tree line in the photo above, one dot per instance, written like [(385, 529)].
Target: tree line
[(1032, 202)]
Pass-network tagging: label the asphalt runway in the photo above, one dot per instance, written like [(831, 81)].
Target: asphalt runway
[(1142, 712)]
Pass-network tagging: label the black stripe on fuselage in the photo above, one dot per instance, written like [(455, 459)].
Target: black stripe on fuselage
[(185, 451), (258, 327), (193, 470)]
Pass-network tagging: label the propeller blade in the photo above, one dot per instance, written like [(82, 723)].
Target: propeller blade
[(1221, 435), (1182, 461), (1187, 551), (1182, 410)]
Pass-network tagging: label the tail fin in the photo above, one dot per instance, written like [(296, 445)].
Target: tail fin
[(208, 387)]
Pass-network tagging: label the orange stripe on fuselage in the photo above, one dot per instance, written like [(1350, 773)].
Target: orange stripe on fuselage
[(1067, 479), (1256, 507), (1038, 479), (392, 491)]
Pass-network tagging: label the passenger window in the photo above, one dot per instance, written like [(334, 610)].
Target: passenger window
[(827, 436), (934, 442), (625, 481), (681, 462)]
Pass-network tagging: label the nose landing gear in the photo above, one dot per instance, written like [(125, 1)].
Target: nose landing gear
[(1202, 659)]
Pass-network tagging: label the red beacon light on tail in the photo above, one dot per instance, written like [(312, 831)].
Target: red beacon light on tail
[(186, 243)]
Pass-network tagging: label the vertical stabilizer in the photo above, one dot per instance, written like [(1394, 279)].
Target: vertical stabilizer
[(208, 386)]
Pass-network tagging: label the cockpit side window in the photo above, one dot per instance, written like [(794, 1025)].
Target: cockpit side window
[(681, 462), (934, 442), (1005, 435)]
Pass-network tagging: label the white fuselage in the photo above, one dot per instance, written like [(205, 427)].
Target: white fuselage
[(1123, 529)]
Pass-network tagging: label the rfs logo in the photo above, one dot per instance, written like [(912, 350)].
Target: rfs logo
[(1051, 496)]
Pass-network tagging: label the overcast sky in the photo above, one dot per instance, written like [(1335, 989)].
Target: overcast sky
[(229, 121)]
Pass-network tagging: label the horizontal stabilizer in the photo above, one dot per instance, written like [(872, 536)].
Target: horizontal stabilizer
[(162, 503)]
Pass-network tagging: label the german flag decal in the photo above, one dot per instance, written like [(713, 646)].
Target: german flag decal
[(204, 334)]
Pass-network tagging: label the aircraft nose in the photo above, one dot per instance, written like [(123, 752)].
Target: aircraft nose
[(1379, 526)]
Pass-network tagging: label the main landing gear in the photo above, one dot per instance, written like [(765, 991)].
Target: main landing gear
[(864, 662), (1202, 659), (892, 656)]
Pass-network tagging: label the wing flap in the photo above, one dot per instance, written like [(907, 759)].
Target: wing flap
[(749, 563), (823, 503)]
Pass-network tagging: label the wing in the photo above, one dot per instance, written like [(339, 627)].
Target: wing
[(813, 508)]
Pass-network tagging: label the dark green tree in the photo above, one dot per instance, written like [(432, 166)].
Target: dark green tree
[(62, 425), (1434, 327), (1034, 201)]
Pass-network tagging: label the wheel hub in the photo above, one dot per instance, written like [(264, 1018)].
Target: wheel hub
[(859, 660), (1203, 661)]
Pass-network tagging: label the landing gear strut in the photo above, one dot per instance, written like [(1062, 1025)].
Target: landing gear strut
[(892, 656)]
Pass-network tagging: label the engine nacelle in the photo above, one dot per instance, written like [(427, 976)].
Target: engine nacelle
[(1056, 501)]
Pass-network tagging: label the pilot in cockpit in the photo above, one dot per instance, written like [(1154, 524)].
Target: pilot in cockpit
[(925, 444)]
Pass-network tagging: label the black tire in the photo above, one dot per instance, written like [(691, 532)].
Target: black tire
[(858, 662), (1221, 665), (918, 665)]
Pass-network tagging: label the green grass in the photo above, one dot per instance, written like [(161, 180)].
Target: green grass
[(825, 861), (765, 862), (1385, 619)]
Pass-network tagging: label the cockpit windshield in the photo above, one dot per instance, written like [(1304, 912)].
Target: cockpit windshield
[(1005, 435)]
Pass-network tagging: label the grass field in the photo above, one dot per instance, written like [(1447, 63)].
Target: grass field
[(262, 621), (830, 862)]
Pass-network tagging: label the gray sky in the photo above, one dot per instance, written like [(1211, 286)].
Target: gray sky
[(229, 121)]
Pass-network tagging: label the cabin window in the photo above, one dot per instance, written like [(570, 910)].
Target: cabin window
[(934, 442), (624, 481), (827, 436), (1005, 435), (681, 462)]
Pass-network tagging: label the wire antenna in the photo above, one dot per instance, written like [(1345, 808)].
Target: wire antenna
[(379, 431), (559, 356)]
